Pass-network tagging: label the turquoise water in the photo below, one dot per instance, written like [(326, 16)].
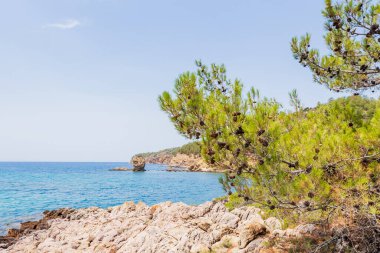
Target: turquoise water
[(27, 189)]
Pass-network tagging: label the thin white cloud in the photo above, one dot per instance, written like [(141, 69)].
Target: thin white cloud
[(65, 25)]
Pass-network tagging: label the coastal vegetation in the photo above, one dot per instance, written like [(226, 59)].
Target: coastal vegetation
[(318, 165)]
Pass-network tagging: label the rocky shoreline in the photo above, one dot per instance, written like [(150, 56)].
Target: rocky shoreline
[(28, 227), (165, 227)]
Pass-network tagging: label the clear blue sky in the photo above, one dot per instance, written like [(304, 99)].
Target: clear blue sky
[(79, 79)]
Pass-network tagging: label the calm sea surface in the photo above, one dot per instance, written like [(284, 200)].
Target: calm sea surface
[(27, 189)]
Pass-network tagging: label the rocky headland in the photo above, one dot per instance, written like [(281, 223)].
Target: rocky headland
[(185, 158), (182, 161), (165, 227)]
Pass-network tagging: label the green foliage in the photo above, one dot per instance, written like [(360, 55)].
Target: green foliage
[(353, 39), (306, 164)]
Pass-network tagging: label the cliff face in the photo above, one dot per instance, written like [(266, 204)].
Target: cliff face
[(165, 227)]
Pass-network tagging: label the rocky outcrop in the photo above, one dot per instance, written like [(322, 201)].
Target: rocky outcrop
[(166, 227), (138, 163)]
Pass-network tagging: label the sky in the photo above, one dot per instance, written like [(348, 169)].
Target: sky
[(79, 79)]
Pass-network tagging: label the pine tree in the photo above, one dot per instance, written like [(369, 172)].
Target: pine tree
[(353, 39), (309, 163)]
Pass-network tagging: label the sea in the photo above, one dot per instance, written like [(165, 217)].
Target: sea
[(29, 188)]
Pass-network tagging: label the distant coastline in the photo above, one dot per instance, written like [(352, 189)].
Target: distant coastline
[(184, 158)]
